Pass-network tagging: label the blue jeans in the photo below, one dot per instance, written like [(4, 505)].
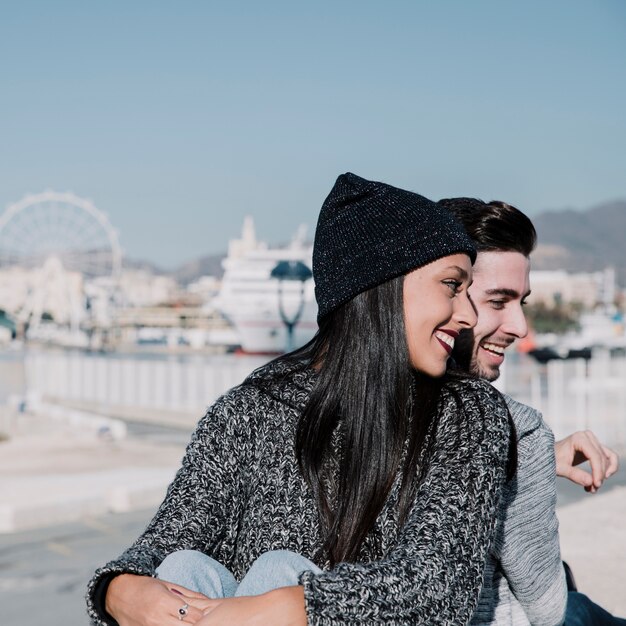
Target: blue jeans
[(581, 611), (199, 572)]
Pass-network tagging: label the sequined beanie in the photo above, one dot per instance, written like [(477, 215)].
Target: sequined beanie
[(369, 232)]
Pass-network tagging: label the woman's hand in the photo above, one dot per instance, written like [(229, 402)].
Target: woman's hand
[(281, 607), (143, 601)]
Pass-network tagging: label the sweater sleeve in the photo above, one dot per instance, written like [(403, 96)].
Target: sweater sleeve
[(434, 572), (198, 505), (529, 542)]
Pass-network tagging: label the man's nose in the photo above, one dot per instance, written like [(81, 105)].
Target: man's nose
[(516, 323)]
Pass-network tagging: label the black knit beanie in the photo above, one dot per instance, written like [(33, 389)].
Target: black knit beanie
[(368, 233)]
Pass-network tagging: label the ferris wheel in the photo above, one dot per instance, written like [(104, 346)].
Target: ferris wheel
[(68, 247), (63, 227)]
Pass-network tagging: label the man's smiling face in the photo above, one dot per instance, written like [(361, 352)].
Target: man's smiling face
[(500, 287)]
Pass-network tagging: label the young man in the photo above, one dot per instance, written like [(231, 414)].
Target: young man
[(505, 238), (524, 580)]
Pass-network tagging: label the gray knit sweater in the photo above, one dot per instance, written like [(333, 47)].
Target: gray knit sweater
[(239, 493), (524, 578)]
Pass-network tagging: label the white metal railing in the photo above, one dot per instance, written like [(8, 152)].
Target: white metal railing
[(160, 384), (575, 394), (572, 395)]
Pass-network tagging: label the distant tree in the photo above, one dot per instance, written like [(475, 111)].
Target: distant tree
[(553, 319)]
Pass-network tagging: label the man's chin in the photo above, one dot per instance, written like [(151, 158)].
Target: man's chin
[(491, 375), (488, 373)]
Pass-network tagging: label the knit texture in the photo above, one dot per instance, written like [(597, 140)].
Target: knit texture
[(239, 493), (524, 579), (369, 232)]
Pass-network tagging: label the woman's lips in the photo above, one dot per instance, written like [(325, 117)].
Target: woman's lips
[(446, 338)]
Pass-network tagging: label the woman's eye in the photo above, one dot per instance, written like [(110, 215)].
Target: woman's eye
[(453, 285)]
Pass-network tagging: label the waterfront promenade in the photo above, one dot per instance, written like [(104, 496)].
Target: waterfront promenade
[(58, 490)]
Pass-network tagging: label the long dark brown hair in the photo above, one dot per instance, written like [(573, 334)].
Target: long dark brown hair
[(366, 419)]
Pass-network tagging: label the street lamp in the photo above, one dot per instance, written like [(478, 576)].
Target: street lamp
[(291, 271)]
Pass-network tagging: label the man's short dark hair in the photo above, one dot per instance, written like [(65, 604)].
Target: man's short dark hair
[(494, 226)]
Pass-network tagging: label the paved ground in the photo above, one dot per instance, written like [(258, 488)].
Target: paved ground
[(593, 542), (56, 472), (593, 539), (43, 571)]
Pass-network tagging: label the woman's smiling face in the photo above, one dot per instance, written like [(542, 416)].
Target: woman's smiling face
[(436, 309)]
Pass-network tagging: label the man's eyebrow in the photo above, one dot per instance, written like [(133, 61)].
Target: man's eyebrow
[(505, 291)]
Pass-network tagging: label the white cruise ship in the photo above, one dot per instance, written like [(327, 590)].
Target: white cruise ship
[(249, 297)]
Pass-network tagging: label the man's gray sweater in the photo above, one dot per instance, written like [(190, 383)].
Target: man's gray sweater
[(524, 578)]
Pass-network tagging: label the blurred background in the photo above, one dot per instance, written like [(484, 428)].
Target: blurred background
[(162, 166)]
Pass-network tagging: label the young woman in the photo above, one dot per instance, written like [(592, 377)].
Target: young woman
[(352, 481)]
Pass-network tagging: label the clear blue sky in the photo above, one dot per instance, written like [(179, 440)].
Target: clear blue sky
[(179, 118)]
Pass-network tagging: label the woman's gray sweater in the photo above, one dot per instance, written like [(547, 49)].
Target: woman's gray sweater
[(239, 493)]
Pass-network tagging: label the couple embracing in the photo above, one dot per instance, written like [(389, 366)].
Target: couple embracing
[(372, 476)]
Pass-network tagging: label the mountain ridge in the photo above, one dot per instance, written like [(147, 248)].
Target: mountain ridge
[(583, 241)]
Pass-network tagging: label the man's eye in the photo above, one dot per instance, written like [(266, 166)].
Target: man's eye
[(497, 304), (524, 302)]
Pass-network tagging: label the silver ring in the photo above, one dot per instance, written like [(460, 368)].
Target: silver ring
[(182, 612)]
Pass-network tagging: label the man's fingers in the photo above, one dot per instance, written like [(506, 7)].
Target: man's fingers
[(598, 469), (581, 477), (582, 447), (588, 448), (612, 461)]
